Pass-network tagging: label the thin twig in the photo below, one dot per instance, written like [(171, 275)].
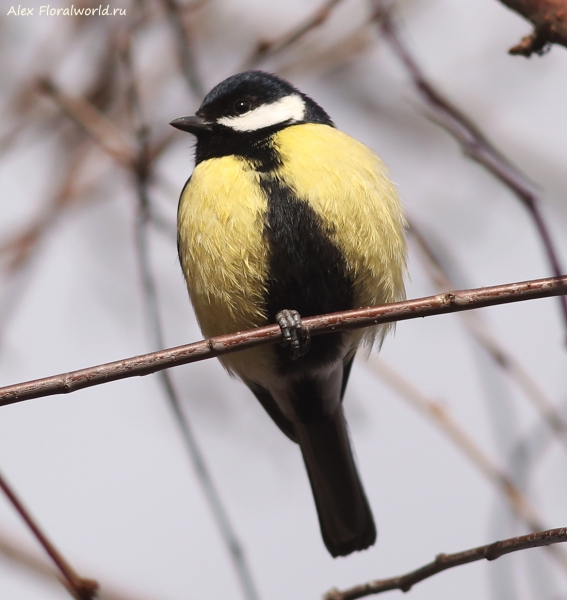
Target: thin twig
[(141, 174), (18, 251), (443, 562), (23, 104), (529, 449), (474, 143), (22, 244), (20, 556), (261, 336), (519, 504), (268, 49), (82, 589), (95, 123), (109, 137), (486, 339), (77, 150), (184, 49), (549, 18)]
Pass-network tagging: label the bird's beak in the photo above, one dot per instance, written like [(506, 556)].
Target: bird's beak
[(193, 124)]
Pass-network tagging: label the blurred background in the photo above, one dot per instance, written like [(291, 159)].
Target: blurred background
[(459, 425)]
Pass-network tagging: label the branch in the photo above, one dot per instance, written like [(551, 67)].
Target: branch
[(109, 137), (359, 318), (93, 121), (183, 45), (474, 143), (141, 172), (447, 561), (549, 18), (518, 503), (488, 341), (82, 589), (18, 250), (266, 49), (20, 247), (15, 552)]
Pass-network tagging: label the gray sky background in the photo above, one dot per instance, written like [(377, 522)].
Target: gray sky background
[(104, 469)]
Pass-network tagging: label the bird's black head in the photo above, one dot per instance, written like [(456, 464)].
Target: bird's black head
[(245, 109)]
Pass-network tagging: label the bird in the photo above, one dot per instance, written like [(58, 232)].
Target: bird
[(285, 217)]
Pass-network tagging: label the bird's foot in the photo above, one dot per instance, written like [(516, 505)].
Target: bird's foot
[(296, 336)]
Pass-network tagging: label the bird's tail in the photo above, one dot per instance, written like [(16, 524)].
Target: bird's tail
[(344, 514)]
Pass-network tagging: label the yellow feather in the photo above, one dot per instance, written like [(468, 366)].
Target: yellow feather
[(349, 188), (223, 255), (222, 217)]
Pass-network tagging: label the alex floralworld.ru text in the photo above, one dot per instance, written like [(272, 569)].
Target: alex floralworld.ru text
[(47, 11)]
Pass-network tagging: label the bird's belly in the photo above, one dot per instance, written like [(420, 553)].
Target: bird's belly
[(249, 249), (224, 256), (307, 272), (315, 235)]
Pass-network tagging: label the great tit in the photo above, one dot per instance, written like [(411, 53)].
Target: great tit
[(284, 216)]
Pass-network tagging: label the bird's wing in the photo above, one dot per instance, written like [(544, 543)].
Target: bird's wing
[(270, 406)]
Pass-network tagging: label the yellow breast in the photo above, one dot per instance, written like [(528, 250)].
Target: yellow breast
[(220, 222), (349, 187), (222, 219)]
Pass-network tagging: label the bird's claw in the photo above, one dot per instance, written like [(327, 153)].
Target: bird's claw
[(295, 335)]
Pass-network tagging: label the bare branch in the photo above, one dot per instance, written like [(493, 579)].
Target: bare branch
[(518, 503), (94, 122), (474, 143), (18, 251), (82, 589), (141, 173), (443, 562), (266, 49), (19, 555), (20, 247), (183, 44), (110, 138), (351, 319), (486, 339), (549, 18)]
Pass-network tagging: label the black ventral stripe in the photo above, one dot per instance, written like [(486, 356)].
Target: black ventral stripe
[(306, 270)]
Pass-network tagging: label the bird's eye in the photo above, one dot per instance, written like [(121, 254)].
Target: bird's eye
[(242, 106)]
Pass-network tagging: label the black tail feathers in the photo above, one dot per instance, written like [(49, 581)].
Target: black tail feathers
[(345, 517)]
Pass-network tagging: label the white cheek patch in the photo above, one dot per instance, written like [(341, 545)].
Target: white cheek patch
[(289, 108)]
